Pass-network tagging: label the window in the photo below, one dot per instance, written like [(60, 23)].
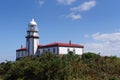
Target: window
[(73, 50), (48, 50), (22, 54), (38, 53), (25, 53), (68, 50), (53, 50), (18, 54), (43, 50)]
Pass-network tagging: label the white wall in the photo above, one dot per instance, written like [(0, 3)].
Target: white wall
[(50, 49), (36, 42), (64, 50), (20, 54), (33, 45), (59, 50)]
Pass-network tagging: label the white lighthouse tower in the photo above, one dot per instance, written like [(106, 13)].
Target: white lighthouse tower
[(32, 38)]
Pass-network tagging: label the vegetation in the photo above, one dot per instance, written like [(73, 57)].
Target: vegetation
[(89, 66)]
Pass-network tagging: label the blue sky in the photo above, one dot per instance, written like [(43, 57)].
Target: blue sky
[(93, 23)]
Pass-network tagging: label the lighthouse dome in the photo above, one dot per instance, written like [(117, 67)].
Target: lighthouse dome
[(32, 23)]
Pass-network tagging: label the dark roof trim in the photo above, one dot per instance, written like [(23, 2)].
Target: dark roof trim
[(21, 49)]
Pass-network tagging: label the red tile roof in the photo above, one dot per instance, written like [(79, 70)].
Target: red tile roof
[(61, 45), (58, 44)]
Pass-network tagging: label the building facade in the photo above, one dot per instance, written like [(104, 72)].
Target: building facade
[(34, 48)]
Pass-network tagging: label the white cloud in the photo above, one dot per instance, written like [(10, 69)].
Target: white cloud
[(103, 48), (66, 2), (106, 44), (74, 16), (81, 8), (41, 2), (112, 37), (85, 6)]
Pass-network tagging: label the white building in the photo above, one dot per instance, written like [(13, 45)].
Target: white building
[(34, 48)]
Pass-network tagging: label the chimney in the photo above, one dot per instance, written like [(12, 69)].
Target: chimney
[(70, 42), (21, 46)]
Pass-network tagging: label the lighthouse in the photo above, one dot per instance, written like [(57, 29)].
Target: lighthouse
[(33, 48), (32, 38)]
